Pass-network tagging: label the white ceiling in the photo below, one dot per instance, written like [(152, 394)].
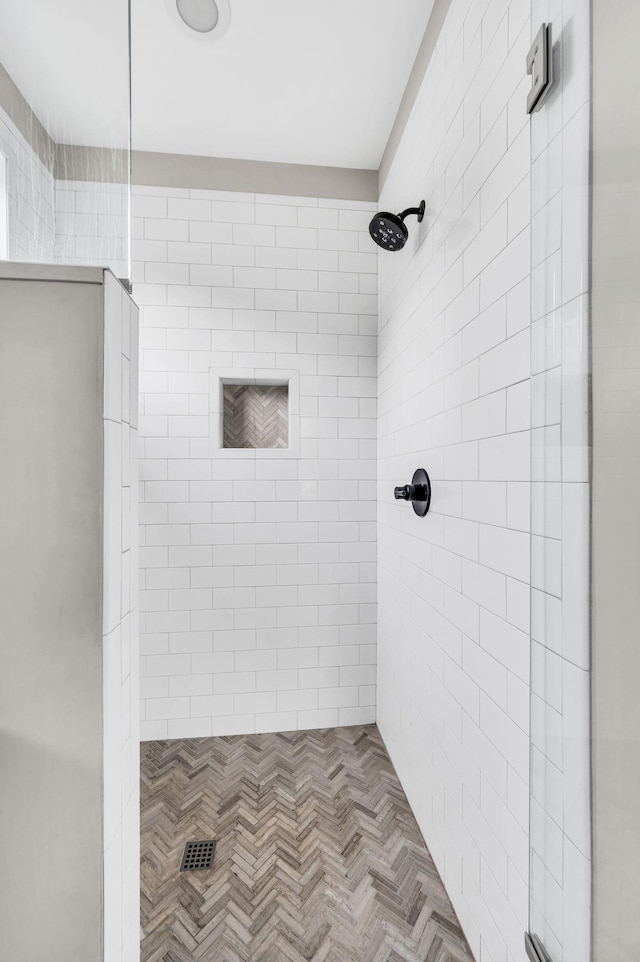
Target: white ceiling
[(294, 81), (69, 59)]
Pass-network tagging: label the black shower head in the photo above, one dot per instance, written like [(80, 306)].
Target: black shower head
[(389, 231)]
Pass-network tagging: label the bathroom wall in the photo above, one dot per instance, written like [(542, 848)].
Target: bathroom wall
[(454, 375), (258, 573)]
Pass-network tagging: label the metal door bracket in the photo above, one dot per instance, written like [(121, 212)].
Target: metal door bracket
[(540, 66), (535, 949)]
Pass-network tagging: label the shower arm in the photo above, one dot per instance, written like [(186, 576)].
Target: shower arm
[(418, 211)]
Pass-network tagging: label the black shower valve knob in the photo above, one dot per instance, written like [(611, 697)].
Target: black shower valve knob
[(418, 492), (411, 492)]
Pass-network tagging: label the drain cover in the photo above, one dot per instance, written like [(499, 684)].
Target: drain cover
[(198, 855)]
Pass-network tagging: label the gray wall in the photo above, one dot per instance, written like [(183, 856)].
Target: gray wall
[(51, 439), (616, 480)]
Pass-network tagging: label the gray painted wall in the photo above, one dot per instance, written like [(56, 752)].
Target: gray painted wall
[(51, 439), (616, 480)]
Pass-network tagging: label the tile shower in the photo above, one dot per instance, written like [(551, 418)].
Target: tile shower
[(291, 376)]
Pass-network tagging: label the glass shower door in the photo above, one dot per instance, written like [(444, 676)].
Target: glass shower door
[(65, 110), (560, 822)]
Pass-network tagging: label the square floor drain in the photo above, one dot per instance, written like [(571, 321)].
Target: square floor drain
[(198, 855)]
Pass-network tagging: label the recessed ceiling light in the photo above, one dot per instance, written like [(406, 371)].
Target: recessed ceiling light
[(201, 19), (200, 15)]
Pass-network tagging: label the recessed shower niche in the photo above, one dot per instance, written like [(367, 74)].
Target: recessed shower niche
[(255, 414)]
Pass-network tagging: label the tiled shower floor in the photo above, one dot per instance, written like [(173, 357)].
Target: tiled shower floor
[(319, 858)]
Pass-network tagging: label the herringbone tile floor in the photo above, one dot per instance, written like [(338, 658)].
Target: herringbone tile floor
[(319, 858)]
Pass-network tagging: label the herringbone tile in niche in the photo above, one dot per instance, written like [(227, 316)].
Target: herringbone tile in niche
[(255, 416), (318, 858)]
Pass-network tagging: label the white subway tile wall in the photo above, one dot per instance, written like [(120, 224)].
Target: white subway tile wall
[(120, 629), (453, 388), (258, 572), (560, 504), (30, 198)]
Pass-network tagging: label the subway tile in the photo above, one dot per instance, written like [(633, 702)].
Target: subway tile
[(276, 300), (277, 681), (256, 661), (209, 663), (189, 685), (233, 725), (189, 728), (166, 230), (168, 665), (484, 417), (317, 260), (296, 237), (318, 217), (211, 705), (278, 215), (189, 253), (505, 550), (189, 599), (326, 718), (189, 209), (255, 702), (233, 212), (510, 356), (288, 658), (229, 255), (299, 700), (204, 275), (166, 708), (235, 682), (276, 722), (190, 641), (337, 698), (282, 257), (254, 277), (337, 240), (259, 618), (505, 458), (298, 280), (357, 715)]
